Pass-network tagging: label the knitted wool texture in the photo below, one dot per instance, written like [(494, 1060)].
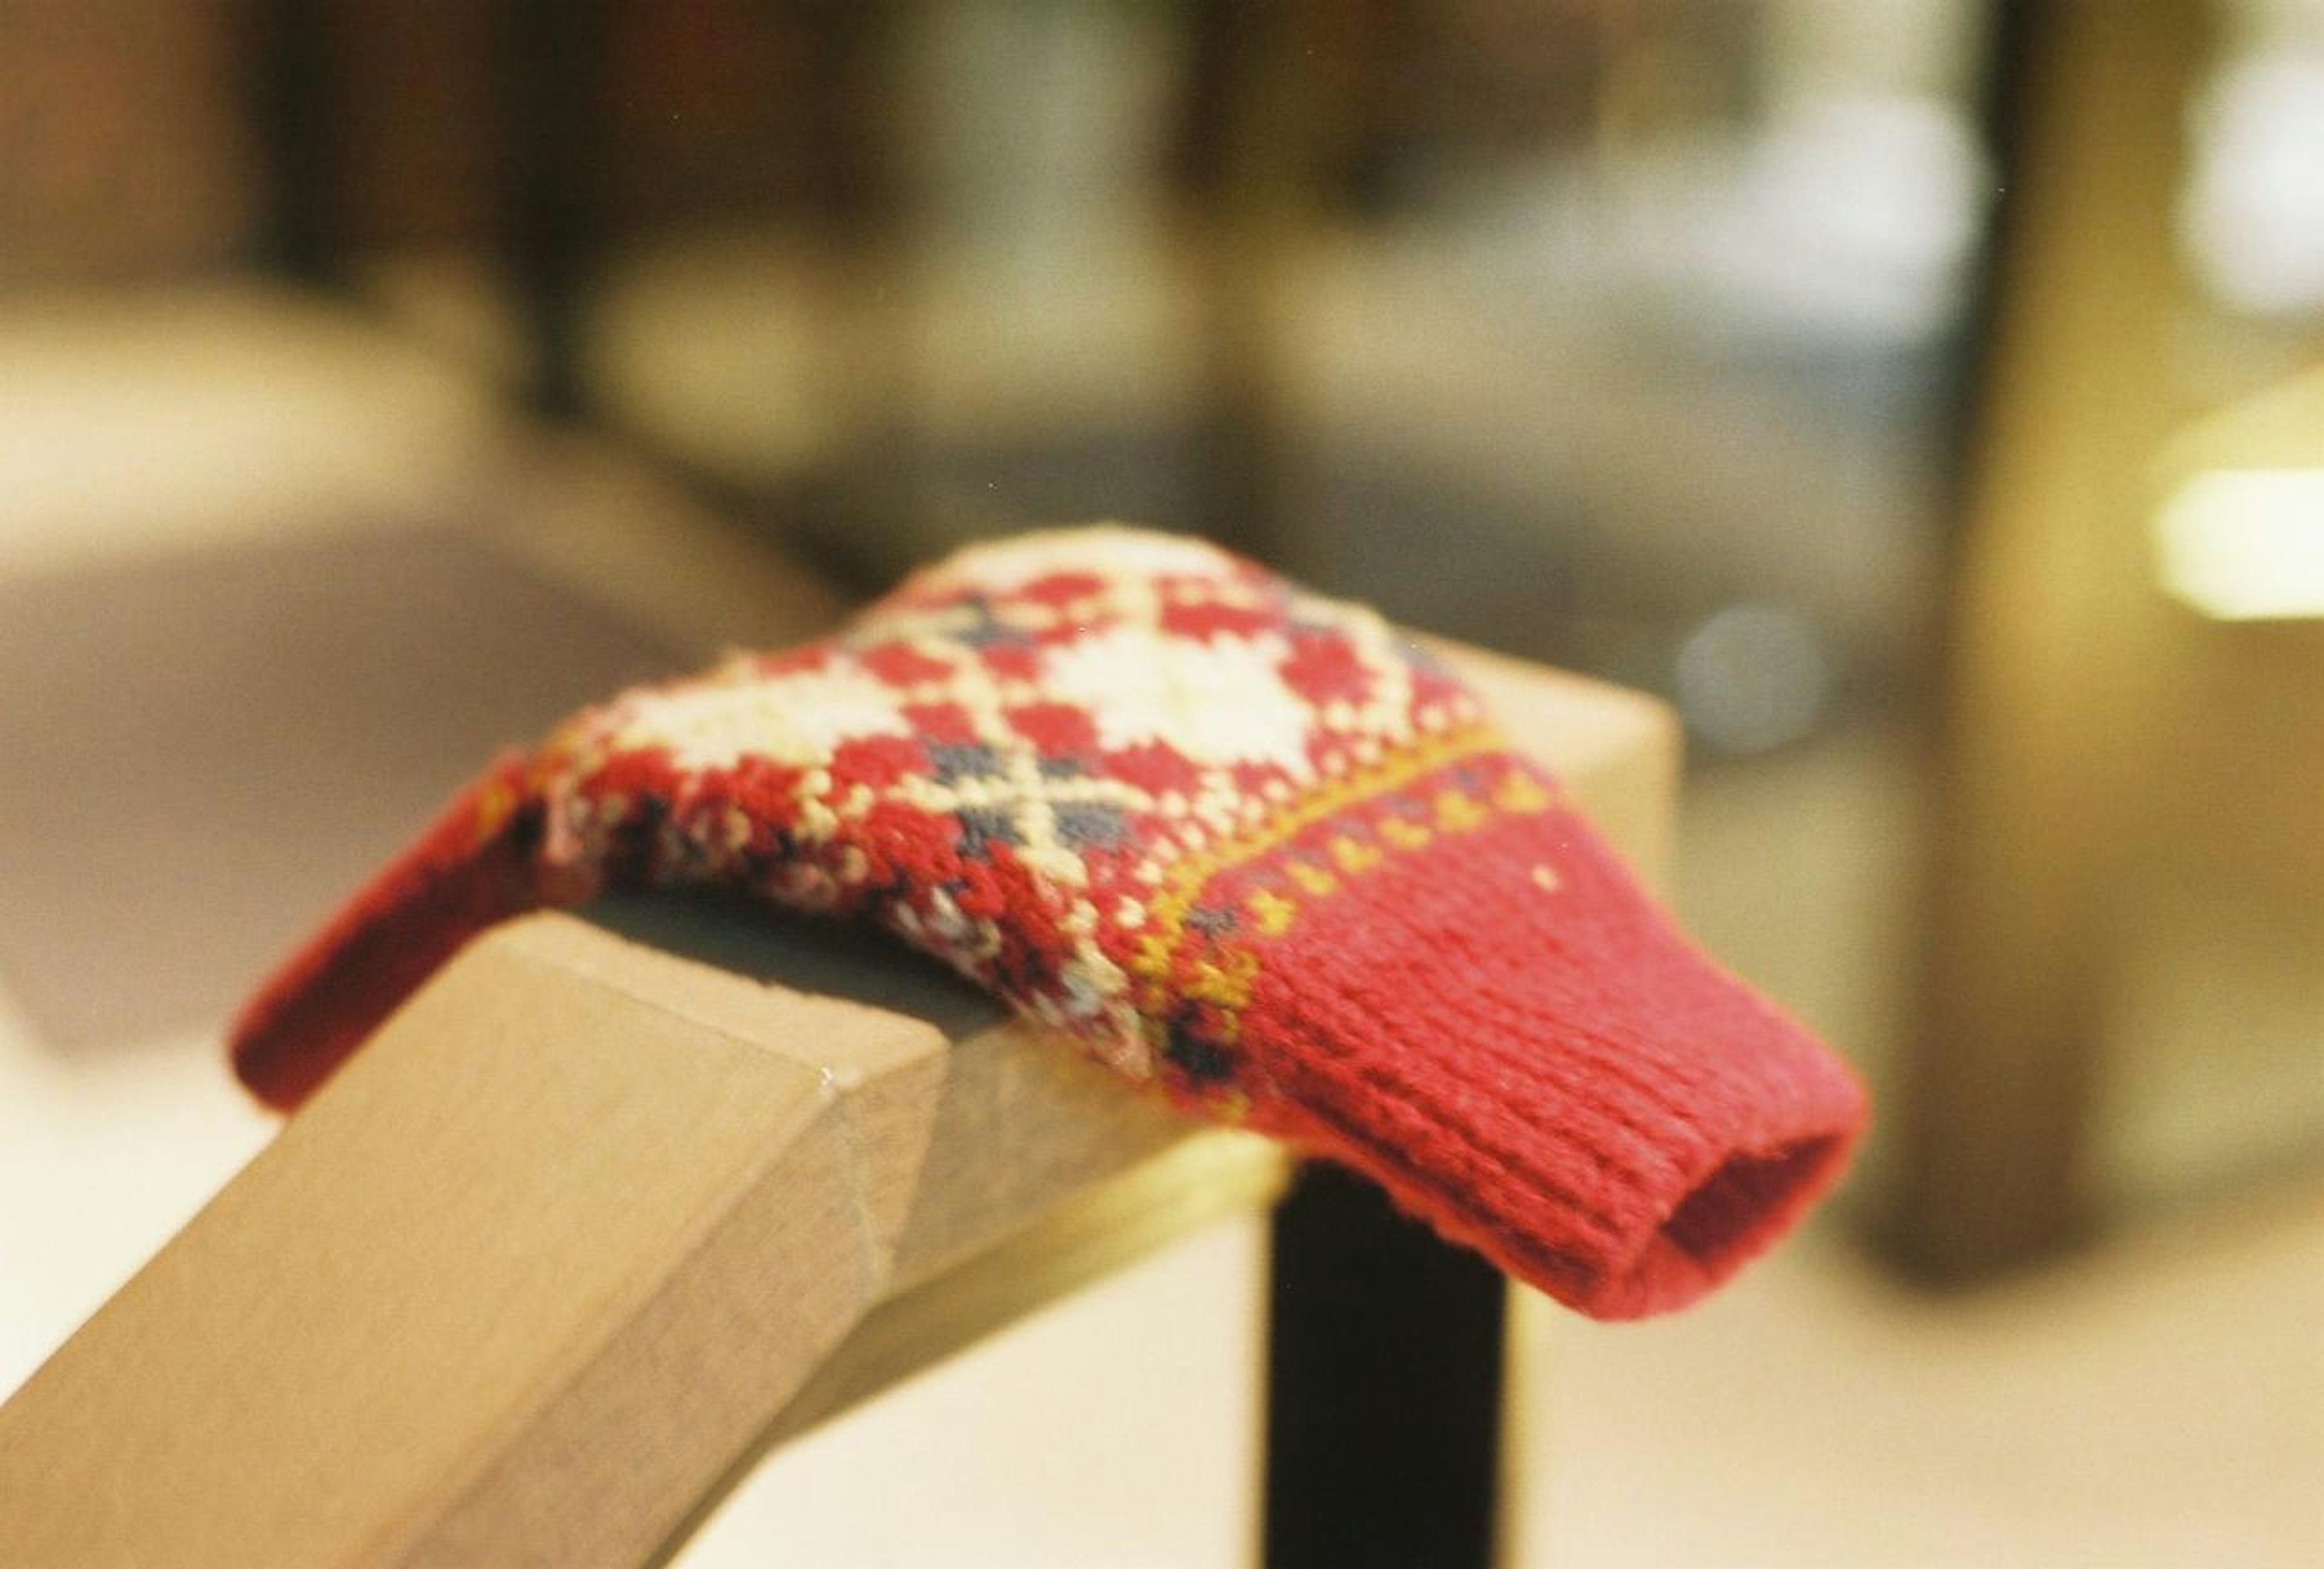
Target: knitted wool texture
[(1239, 841)]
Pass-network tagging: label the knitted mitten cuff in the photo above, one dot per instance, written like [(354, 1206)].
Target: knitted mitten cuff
[(1240, 842), (1503, 1033)]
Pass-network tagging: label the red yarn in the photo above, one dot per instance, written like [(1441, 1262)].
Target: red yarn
[(1239, 841)]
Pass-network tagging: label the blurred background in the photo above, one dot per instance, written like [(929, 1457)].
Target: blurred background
[(1922, 395)]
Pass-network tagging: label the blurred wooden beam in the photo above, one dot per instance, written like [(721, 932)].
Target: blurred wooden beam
[(1992, 1131)]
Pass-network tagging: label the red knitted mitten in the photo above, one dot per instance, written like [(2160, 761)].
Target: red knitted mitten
[(1233, 837)]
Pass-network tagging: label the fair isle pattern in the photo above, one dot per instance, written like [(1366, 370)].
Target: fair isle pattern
[(1240, 842), (1092, 771)]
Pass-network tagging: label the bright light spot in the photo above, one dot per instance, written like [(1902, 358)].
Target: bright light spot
[(1850, 217), (1752, 676), (2245, 544), (2254, 213)]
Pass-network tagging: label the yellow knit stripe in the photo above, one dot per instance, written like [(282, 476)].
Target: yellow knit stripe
[(1227, 983)]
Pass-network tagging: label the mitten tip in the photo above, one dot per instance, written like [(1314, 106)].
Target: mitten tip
[(467, 872)]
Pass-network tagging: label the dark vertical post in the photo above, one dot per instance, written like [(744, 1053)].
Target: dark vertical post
[(552, 66), (1384, 1386), (1246, 133), (857, 201), (289, 45)]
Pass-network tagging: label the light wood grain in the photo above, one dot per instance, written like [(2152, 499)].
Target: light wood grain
[(617, 1203)]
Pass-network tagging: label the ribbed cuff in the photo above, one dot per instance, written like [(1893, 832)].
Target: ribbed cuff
[(1512, 1040)]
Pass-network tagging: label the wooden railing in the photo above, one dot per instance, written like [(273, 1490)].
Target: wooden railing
[(619, 1203)]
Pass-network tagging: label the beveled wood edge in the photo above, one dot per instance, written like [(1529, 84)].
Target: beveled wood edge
[(1091, 1177)]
